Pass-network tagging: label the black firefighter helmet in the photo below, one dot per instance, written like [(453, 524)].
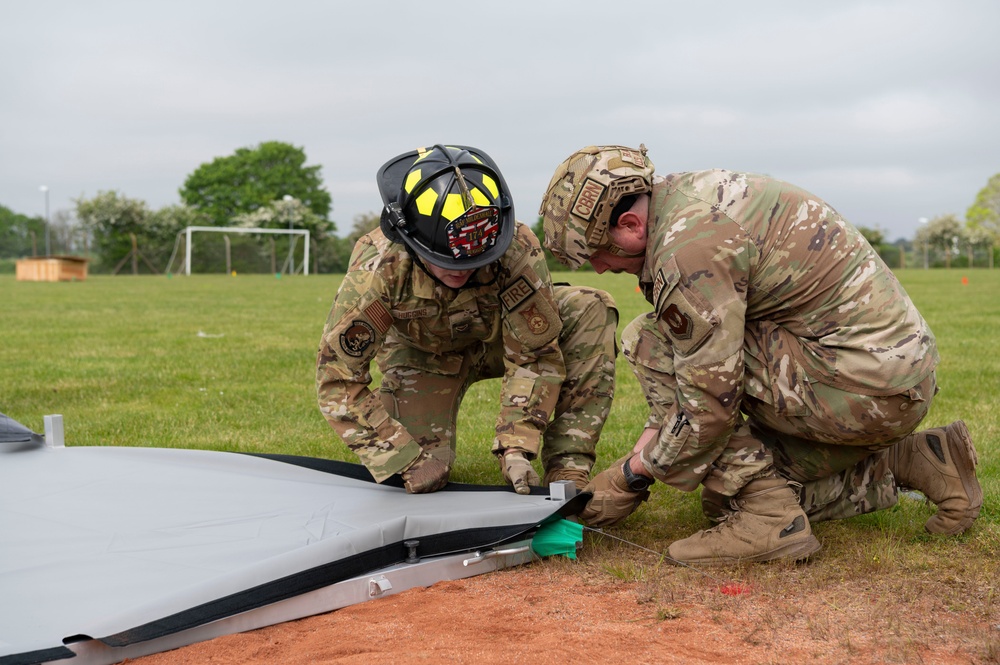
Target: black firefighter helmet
[(448, 204)]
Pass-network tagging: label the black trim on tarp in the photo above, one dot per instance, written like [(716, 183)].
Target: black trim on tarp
[(330, 573), (39, 656), (359, 472)]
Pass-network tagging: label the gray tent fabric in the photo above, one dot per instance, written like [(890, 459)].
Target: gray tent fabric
[(15, 436), (124, 545)]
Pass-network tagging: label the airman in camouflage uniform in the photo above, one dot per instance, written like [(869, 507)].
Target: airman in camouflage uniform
[(554, 347), (780, 348)]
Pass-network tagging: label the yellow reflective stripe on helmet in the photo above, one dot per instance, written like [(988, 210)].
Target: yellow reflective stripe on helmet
[(453, 207), (480, 198), (412, 178), (425, 202), (492, 186)]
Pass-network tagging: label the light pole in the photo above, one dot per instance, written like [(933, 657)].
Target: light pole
[(923, 221), (45, 190), (288, 198), (290, 262)]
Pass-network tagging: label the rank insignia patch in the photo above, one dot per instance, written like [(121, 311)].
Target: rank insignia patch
[(680, 323)]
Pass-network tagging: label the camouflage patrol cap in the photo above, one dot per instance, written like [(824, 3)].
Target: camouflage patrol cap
[(585, 189)]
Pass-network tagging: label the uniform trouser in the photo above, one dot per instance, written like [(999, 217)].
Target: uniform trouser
[(833, 441), (425, 398)]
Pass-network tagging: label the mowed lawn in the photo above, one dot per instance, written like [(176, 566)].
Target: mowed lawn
[(227, 363)]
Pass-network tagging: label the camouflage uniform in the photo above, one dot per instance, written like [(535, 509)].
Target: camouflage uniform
[(553, 346), (778, 336)]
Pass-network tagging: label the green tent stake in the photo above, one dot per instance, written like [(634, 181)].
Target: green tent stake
[(558, 536)]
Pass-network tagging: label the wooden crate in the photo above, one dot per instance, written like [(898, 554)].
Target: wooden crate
[(52, 269)]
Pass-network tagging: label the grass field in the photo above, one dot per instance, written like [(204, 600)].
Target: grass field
[(227, 363)]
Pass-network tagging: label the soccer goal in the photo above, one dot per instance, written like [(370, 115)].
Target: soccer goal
[(289, 266)]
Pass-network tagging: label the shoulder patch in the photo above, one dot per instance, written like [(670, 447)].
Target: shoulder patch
[(680, 323), (357, 338), (537, 323), (516, 293), (379, 316)]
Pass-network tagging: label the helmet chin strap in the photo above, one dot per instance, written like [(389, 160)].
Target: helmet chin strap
[(619, 251), (471, 283)]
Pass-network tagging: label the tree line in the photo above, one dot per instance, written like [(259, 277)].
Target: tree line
[(267, 186), (271, 186)]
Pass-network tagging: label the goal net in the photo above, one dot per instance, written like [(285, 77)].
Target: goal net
[(283, 251)]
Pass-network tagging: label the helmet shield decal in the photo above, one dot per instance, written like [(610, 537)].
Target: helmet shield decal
[(474, 232)]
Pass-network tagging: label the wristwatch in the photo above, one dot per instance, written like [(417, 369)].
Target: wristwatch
[(634, 482)]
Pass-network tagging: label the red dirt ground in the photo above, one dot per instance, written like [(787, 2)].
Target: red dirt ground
[(555, 611)]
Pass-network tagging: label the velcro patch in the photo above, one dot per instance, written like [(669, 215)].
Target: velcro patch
[(586, 201), (516, 293), (537, 323), (419, 313), (680, 323), (357, 338), (687, 319), (658, 285), (634, 157), (379, 316)]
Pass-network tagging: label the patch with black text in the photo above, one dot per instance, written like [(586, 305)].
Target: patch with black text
[(420, 313), (516, 293), (658, 284), (588, 198)]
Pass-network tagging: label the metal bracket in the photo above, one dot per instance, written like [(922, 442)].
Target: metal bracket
[(54, 431), (378, 585), (562, 490)]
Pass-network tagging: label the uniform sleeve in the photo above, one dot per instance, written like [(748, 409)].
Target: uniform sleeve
[(699, 295), (533, 363), (355, 330)]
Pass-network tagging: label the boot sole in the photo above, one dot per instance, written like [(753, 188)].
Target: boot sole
[(963, 456), (798, 551)]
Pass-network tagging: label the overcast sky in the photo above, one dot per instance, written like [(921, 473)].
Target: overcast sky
[(889, 110)]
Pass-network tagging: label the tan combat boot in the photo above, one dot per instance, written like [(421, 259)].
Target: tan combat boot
[(941, 463), (767, 523)]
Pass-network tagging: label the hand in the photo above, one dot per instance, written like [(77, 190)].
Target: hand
[(517, 470), (613, 501), (426, 474)]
